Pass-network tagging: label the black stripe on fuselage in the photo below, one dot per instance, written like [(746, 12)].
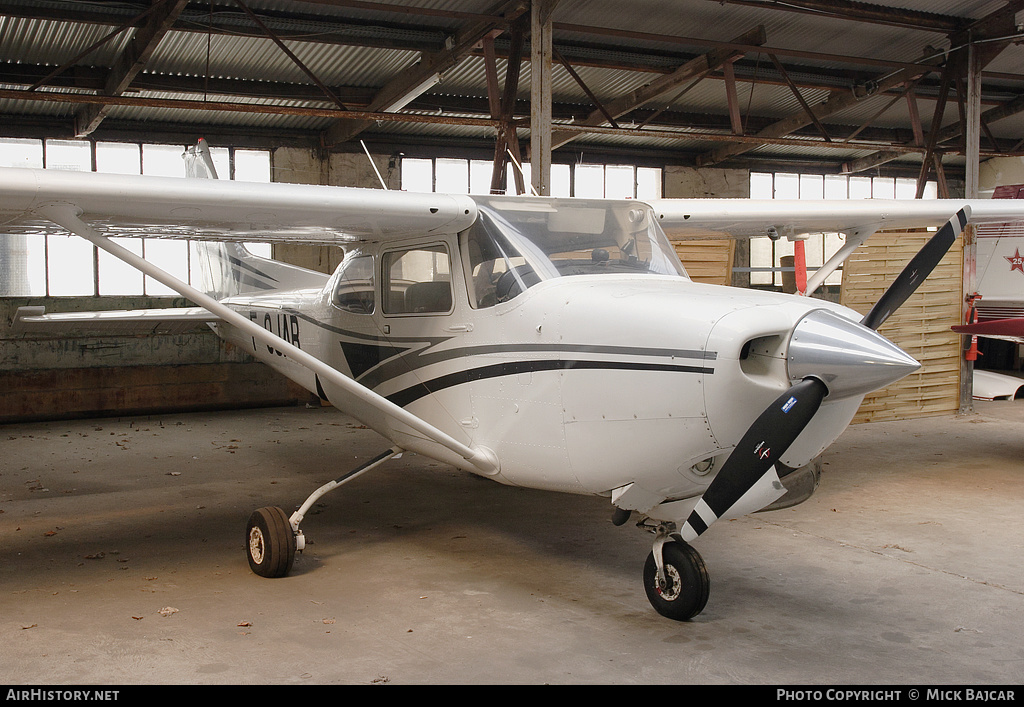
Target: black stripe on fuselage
[(409, 361), (420, 390)]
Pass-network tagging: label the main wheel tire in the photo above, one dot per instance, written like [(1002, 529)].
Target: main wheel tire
[(687, 584), (270, 542)]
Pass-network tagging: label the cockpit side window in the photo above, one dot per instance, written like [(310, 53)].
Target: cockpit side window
[(418, 281), (353, 290)]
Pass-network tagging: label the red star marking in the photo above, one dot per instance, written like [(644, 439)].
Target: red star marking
[(1017, 261)]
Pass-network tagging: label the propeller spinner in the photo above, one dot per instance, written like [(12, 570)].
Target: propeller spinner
[(828, 355)]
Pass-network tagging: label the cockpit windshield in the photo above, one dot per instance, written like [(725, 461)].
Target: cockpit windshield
[(519, 241)]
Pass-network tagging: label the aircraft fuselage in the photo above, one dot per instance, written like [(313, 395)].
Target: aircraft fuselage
[(579, 384)]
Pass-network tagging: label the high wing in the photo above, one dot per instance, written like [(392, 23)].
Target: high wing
[(297, 213), (745, 218), (218, 210), (858, 220)]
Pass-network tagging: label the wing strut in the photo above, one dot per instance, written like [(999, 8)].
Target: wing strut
[(67, 216), (854, 240)]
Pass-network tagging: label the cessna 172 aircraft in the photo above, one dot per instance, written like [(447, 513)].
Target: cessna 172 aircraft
[(549, 343)]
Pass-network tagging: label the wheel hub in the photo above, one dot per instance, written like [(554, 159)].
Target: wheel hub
[(256, 545), (671, 587)]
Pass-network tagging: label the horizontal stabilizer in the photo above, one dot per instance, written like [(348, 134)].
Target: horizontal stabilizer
[(996, 327), (34, 320)]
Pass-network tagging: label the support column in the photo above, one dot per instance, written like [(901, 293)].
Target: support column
[(973, 153), (540, 95)]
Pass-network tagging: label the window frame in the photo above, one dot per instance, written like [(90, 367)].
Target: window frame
[(386, 262), (44, 279)]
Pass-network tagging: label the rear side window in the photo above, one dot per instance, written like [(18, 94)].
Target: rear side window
[(353, 291)]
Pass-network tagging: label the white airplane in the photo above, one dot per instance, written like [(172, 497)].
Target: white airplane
[(997, 310), (541, 342), (999, 305)]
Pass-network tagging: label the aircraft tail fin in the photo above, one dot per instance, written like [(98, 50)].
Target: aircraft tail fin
[(199, 161), (228, 269)]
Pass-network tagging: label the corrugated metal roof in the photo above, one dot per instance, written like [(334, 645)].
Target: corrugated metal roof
[(614, 49)]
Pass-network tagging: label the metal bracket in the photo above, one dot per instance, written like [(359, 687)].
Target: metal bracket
[(666, 532)]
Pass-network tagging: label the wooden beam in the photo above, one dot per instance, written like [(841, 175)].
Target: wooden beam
[(699, 66), (426, 72), (502, 105), (836, 102), (799, 97), (732, 100), (915, 116), (131, 61), (948, 76), (586, 89), (940, 176)]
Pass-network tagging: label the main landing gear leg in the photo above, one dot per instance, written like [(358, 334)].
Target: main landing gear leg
[(272, 538), (675, 578)]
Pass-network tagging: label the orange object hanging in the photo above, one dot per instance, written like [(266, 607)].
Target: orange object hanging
[(800, 266)]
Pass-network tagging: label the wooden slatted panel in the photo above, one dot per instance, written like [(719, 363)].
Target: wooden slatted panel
[(708, 261), (921, 327)]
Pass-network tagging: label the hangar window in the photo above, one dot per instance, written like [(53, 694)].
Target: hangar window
[(766, 264), (461, 176), (57, 266)]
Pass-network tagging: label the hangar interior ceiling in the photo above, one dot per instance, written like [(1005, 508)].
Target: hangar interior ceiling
[(837, 86)]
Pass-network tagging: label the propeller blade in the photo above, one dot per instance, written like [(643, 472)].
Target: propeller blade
[(744, 484), (917, 270)]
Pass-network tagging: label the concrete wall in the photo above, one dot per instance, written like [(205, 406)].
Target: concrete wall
[(299, 166), (49, 377), (687, 182), (1000, 171), (43, 377)]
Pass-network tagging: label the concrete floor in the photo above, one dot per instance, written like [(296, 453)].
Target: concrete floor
[(121, 562)]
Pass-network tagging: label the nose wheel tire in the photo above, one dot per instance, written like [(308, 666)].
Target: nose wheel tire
[(270, 542), (684, 593)]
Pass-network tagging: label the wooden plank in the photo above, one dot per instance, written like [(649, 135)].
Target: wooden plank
[(921, 327), (707, 261)]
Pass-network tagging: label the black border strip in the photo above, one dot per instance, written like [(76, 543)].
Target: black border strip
[(420, 390)]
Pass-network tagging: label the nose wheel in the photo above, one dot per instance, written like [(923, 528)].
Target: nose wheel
[(675, 579)]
